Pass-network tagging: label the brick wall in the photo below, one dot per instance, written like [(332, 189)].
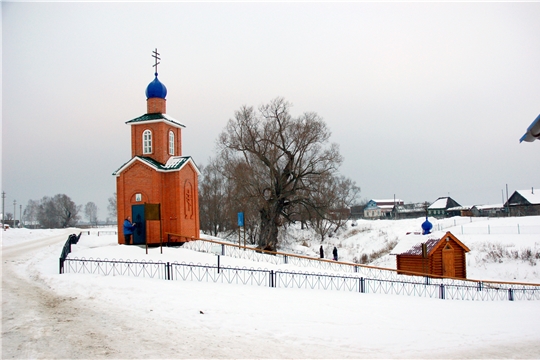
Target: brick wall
[(160, 140), (168, 189)]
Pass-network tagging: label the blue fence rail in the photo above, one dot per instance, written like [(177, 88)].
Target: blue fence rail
[(451, 289)]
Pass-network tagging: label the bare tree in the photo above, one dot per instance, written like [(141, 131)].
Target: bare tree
[(334, 197), (112, 208), (31, 212), (345, 195), (277, 161), (57, 212), (213, 200), (91, 210)]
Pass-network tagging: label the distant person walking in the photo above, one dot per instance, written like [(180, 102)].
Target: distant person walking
[(128, 230), (322, 252), (335, 253)]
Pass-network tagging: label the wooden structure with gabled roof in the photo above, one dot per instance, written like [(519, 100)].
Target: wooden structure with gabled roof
[(443, 256)]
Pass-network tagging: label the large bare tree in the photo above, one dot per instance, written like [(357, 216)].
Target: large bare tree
[(58, 212), (278, 162)]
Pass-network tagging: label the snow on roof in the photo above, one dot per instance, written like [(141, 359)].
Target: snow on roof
[(151, 118), (174, 163), (487, 207), (456, 208), (417, 249), (531, 196), (440, 203), (403, 209), (387, 200), (411, 240)]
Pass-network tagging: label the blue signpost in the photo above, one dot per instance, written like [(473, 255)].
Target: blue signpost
[(240, 219), (240, 226)]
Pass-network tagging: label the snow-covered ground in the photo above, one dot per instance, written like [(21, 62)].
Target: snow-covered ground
[(47, 315)]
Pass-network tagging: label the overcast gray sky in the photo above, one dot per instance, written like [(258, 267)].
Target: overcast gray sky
[(424, 99)]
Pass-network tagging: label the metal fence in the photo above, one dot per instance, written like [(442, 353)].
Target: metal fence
[(462, 226), (276, 258), (415, 286)]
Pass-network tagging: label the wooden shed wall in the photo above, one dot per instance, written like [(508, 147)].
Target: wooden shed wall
[(433, 265), (413, 263)]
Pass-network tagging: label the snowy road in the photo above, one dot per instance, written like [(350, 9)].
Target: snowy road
[(36, 322), (39, 323), (46, 315)]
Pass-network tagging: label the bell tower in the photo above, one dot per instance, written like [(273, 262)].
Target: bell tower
[(156, 135)]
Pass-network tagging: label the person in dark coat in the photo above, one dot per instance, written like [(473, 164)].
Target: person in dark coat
[(128, 230), (322, 252), (335, 253)]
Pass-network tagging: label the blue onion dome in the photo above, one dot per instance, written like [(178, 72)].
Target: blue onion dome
[(156, 89), (426, 226)]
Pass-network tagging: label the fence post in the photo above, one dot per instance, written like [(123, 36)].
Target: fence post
[(223, 249), (441, 291), (218, 264), (285, 259), (272, 278), (427, 280), (518, 230), (362, 285), (510, 294), (168, 270), (480, 286), (489, 230)]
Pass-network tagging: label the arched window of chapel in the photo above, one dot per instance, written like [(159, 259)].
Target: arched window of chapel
[(171, 142), (147, 142)]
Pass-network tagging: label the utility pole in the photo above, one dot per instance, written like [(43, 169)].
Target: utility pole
[(3, 212), (20, 215), (14, 211)]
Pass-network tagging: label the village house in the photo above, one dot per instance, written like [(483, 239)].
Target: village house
[(524, 203), (439, 209), (379, 209)]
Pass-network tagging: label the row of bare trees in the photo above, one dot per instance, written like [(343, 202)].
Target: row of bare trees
[(58, 211), (277, 169)]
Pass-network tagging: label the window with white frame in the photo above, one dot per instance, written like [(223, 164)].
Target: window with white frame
[(171, 142), (147, 142)]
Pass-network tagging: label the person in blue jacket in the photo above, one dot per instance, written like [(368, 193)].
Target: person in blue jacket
[(128, 230)]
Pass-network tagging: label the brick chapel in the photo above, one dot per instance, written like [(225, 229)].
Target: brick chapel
[(158, 173)]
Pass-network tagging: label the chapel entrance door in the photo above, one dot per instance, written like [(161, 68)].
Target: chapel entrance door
[(139, 235)]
